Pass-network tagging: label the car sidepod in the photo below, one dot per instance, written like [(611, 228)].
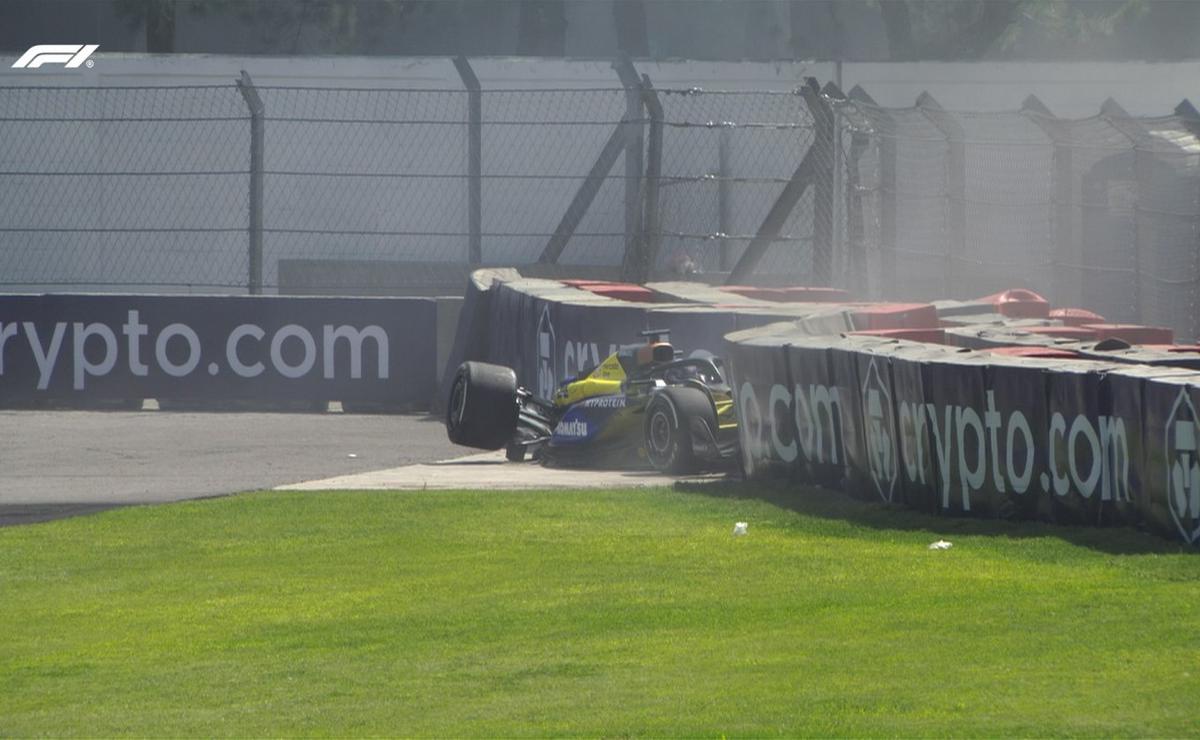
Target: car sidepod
[(598, 431)]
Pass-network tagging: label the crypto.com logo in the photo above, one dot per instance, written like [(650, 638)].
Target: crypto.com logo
[(71, 55)]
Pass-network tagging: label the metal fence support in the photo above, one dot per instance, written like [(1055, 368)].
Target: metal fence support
[(1143, 164), (634, 133), (584, 196), (852, 205), (254, 277), (1065, 291), (956, 185), (651, 229), (884, 134), (1190, 118), (805, 174), (474, 159), (824, 142), (724, 199)]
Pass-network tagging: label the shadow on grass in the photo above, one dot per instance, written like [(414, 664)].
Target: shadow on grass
[(837, 506)]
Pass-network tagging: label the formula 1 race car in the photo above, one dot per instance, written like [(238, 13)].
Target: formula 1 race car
[(642, 405)]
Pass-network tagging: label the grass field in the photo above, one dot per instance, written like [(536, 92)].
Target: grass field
[(590, 613)]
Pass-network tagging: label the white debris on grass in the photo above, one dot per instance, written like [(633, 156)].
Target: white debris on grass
[(941, 545), (740, 529)]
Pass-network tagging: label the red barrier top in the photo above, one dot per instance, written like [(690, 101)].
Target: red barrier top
[(622, 291), (1076, 316), (1019, 303)]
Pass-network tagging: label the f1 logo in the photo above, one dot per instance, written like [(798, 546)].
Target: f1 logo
[(70, 55)]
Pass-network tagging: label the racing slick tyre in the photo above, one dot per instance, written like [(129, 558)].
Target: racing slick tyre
[(482, 411), (670, 417)]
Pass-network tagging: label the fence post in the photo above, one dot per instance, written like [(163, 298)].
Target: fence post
[(634, 131), (956, 185), (584, 196), (1064, 291), (651, 229), (724, 199), (474, 159), (885, 133), (841, 180), (823, 142), (254, 277), (1118, 118)]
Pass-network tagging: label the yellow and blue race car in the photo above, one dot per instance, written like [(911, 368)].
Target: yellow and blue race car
[(642, 407)]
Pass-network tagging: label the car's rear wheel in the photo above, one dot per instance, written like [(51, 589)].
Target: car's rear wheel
[(670, 416), (482, 411)]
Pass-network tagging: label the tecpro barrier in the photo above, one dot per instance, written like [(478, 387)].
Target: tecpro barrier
[(1089, 435), (121, 347), (969, 433)]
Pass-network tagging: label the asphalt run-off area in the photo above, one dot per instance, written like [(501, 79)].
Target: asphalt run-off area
[(63, 463)]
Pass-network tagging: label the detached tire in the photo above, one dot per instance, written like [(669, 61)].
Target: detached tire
[(482, 410), (670, 417)]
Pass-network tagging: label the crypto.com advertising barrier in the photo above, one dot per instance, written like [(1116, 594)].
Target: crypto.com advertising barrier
[(378, 350), (1071, 442)]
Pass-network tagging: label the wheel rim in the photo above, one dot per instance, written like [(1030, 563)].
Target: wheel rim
[(458, 402), (660, 435)]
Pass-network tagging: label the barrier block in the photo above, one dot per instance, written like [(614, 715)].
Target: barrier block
[(1016, 334), (1076, 333), (1019, 303), (1151, 355), (1015, 419), (862, 366), (932, 336), (1086, 478), (801, 294), (1133, 333), (1035, 351), (816, 410), (917, 482), (1173, 348), (762, 387), (794, 294), (1169, 497), (956, 399), (622, 292), (1076, 316), (895, 316)]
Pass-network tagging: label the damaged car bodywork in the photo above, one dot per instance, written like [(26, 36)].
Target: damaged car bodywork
[(643, 406)]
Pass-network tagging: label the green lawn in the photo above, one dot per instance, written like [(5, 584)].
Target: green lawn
[(589, 613)]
